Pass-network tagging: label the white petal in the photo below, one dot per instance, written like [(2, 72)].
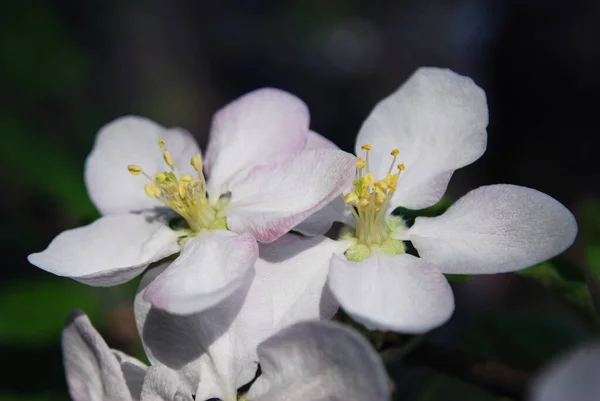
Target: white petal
[(495, 229), (132, 140), (251, 129), (318, 141), (573, 377), (163, 384), (93, 373), (438, 120), (293, 271), (134, 372), (109, 251), (275, 198), (209, 269), (212, 352), (400, 293), (319, 361)]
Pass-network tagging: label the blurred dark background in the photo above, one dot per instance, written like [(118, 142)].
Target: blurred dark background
[(66, 68)]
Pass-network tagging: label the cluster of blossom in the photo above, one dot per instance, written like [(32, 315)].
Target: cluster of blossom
[(240, 271)]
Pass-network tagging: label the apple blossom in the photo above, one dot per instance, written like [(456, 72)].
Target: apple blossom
[(308, 360), (211, 354), (408, 148), (150, 184)]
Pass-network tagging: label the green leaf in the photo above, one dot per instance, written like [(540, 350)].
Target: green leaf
[(34, 311), (575, 294), (590, 233), (410, 215), (524, 339), (457, 278), (43, 168)]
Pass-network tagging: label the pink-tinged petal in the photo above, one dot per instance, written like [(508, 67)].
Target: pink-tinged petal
[(319, 361), (495, 229), (438, 120), (109, 251), (252, 129), (132, 140), (212, 352), (93, 373), (134, 372), (163, 384), (274, 198), (400, 293), (209, 269), (293, 271), (573, 377), (318, 141)]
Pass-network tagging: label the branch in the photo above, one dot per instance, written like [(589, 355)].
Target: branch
[(495, 377)]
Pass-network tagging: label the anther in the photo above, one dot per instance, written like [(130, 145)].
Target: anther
[(395, 152), (196, 162), (185, 178), (360, 163), (160, 178), (134, 169), (350, 197), (168, 158), (161, 143), (366, 147), (401, 167), (152, 190)]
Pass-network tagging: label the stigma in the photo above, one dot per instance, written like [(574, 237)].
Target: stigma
[(183, 193), (368, 201)]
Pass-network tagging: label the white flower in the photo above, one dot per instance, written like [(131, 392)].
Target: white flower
[(261, 183), (310, 360), (213, 353), (434, 124), (572, 377)]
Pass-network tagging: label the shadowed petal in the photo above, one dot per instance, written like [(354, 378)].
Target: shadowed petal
[(93, 373), (573, 377), (209, 269), (319, 361)]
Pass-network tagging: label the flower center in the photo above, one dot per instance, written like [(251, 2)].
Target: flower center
[(368, 201), (185, 194)]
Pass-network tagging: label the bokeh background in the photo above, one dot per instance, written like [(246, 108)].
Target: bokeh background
[(67, 68)]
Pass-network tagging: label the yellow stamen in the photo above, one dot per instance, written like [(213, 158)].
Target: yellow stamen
[(168, 158), (350, 197), (369, 199), (152, 190), (196, 162), (360, 163), (401, 167), (134, 169), (160, 178), (185, 194)]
